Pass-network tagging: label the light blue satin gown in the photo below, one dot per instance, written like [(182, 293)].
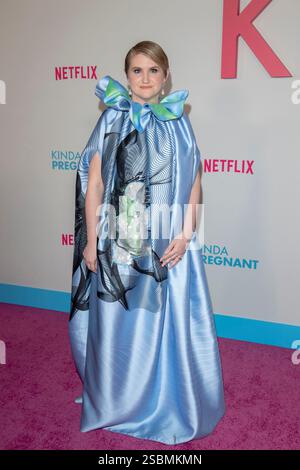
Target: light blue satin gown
[(142, 335)]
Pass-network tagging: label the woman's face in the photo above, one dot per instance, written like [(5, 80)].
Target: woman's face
[(146, 79)]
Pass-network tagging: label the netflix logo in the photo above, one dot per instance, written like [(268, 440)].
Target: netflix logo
[(215, 165), (75, 72)]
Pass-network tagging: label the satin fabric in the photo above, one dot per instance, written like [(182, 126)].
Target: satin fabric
[(115, 95), (148, 355)]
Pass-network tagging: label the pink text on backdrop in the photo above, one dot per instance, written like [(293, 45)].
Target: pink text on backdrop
[(235, 24)]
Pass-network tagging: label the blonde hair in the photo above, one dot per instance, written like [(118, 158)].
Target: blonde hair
[(150, 49)]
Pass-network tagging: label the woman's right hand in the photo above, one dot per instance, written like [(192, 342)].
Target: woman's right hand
[(90, 256)]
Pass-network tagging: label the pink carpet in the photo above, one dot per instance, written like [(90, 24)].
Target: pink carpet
[(39, 384)]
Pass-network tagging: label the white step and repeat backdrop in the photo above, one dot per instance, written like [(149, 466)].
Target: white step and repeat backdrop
[(244, 109)]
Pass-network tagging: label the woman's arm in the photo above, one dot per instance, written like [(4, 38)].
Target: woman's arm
[(191, 215), (94, 196), (179, 244), (93, 199)]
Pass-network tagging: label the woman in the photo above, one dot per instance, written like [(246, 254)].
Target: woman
[(141, 325)]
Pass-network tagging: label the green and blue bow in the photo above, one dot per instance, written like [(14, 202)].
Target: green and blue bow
[(115, 95)]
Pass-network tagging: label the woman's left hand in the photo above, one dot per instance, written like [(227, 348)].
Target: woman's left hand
[(175, 251)]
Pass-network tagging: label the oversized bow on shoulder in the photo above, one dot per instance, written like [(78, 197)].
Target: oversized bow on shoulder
[(115, 95)]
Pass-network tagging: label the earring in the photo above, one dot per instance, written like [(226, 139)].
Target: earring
[(129, 90), (161, 94)]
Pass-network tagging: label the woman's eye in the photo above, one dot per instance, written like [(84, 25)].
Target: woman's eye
[(138, 70)]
